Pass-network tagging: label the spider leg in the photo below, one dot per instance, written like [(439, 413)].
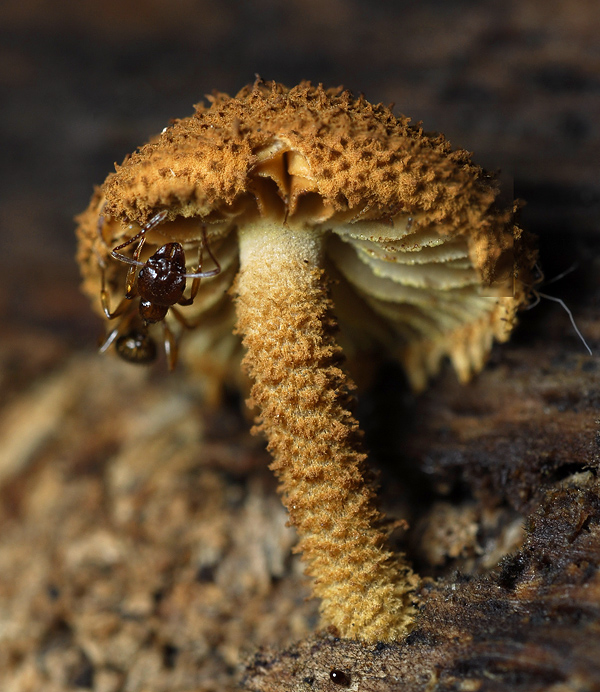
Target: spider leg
[(122, 325), (536, 301), (105, 297), (199, 274), (130, 281), (109, 340), (171, 340), (171, 344), (183, 321), (132, 261), (540, 274), (563, 305), (154, 221), (195, 282)]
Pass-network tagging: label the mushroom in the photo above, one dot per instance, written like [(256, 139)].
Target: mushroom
[(300, 194)]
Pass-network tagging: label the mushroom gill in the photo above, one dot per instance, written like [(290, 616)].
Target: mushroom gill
[(289, 188)]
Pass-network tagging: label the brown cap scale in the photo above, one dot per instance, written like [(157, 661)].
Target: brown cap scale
[(288, 188)]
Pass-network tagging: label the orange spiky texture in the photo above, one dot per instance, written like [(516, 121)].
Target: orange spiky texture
[(283, 184), (304, 401)]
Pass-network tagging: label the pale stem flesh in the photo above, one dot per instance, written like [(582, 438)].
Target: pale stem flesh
[(304, 397)]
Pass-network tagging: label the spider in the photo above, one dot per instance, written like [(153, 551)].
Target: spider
[(540, 280), (160, 283)]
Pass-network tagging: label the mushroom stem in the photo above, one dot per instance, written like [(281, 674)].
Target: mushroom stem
[(284, 316)]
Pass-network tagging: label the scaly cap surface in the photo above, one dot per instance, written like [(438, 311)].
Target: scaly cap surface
[(413, 226)]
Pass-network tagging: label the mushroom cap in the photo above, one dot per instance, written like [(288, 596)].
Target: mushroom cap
[(422, 257)]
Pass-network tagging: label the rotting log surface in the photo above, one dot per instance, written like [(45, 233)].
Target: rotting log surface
[(531, 625), (511, 536), (143, 543)]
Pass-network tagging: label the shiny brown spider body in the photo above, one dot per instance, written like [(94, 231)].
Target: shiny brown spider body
[(160, 284)]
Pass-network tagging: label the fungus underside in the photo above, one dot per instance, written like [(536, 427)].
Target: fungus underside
[(282, 184)]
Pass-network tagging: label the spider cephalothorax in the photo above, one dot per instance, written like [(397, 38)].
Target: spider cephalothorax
[(159, 283)]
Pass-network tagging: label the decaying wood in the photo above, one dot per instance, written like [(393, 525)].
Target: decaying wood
[(531, 625), (143, 545), (512, 539)]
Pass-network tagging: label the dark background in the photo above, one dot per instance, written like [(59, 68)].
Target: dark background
[(84, 83)]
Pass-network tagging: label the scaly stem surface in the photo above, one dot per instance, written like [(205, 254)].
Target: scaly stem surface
[(284, 316)]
